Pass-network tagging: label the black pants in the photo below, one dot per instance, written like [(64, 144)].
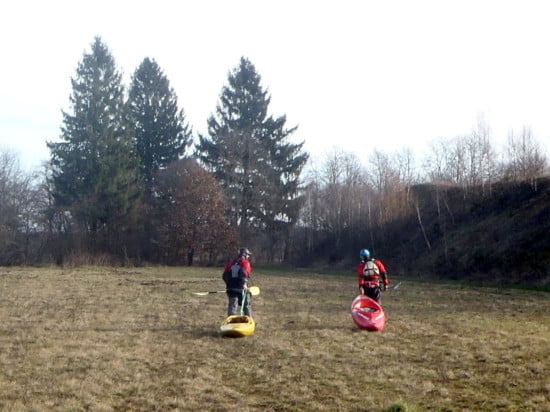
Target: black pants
[(373, 293)]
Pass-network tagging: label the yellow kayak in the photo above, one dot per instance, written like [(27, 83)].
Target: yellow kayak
[(236, 326)]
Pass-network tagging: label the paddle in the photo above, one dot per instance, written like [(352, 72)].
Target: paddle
[(207, 293), (243, 302), (254, 291), (394, 287)]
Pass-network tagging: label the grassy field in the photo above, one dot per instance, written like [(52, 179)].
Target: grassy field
[(107, 339)]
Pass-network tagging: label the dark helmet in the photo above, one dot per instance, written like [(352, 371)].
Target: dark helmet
[(364, 254), (244, 252)]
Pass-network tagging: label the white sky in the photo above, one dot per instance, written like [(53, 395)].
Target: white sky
[(353, 74)]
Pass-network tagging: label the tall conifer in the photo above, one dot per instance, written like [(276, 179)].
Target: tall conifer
[(249, 153), (93, 166), (161, 134)]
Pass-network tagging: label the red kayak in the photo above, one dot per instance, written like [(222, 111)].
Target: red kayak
[(367, 313)]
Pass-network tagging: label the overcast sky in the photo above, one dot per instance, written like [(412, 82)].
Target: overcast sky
[(353, 74)]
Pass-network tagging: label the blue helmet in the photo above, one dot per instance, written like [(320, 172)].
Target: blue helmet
[(364, 253)]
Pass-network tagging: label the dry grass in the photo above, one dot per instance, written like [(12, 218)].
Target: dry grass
[(117, 339)]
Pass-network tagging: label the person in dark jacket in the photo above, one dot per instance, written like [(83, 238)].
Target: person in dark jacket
[(372, 276), (237, 278)]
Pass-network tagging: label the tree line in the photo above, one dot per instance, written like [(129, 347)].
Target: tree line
[(128, 183)]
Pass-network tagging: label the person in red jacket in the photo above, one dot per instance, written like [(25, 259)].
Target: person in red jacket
[(372, 275), (237, 277)]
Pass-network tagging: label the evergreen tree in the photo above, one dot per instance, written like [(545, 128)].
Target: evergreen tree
[(93, 167), (161, 134), (248, 152)]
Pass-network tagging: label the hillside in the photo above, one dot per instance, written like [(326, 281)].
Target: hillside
[(497, 237)]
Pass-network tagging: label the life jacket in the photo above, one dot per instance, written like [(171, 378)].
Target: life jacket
[(235, 276), (371, 272)]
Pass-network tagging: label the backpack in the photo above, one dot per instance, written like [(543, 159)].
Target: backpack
[(237, 270), (371, 269), (235, 275)]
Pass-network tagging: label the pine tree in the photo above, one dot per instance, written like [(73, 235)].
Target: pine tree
[(94, 167), (248, 152), (161, 133)]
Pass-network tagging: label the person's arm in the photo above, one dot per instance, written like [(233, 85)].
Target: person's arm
[(360, 268), (383, 273), (226, 274), (247, 268), (360, 280), (228, 265)]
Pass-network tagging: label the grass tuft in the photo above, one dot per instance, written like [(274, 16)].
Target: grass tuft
[(396, 407)]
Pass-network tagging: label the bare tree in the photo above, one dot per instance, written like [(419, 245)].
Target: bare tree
[(336, 201), (19, 212), (468, 161), (341, 177), (436, 163), (480, 159), (190, 215), (419, 217), (526, 160), (385, 176), (406, 168), (310, 212)]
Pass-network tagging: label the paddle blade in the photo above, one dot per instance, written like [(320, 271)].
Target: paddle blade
[(207, 293), (396, 286), (254, 291)]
